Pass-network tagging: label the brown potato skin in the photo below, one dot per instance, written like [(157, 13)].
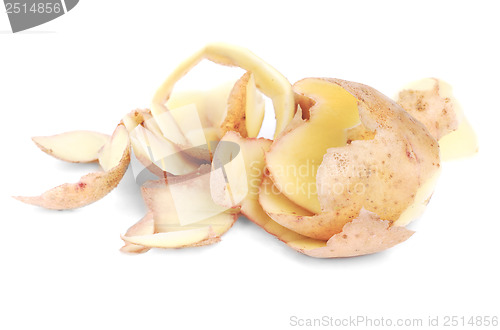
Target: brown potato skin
[(236, 108), (440, 113)]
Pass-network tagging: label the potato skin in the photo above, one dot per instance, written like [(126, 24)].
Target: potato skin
[(431, 102), (91, 187)]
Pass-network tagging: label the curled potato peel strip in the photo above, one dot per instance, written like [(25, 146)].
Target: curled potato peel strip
[(268, 80), (113, 159)]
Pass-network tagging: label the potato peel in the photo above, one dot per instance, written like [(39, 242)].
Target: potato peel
[(431, 101), (74, 146), (175, 239), (145, 226), (236, 108), (267, 79), (169, 222), (93, 186), (252, 151), (366, 234)]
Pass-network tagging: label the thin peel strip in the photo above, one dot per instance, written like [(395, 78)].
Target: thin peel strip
[(145, 226), (93, 186)]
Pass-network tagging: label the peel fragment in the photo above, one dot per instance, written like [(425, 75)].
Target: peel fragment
[(245, 108), (114, 159), (431, 101), (74, 146)]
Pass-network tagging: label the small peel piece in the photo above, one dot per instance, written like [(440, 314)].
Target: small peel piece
[(114, 159), (74, 146), (431, 101)]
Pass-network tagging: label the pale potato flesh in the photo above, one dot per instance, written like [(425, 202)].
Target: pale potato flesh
[(296, 156), (460, 143)]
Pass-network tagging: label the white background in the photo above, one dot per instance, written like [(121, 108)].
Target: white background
[(86, 69)]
